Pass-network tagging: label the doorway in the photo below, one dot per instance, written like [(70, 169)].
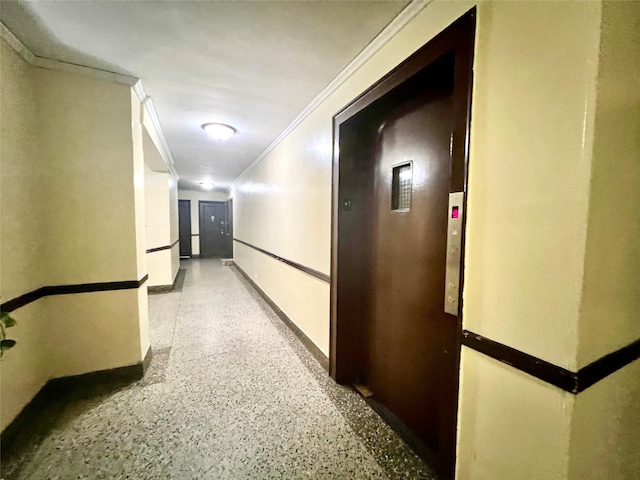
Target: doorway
[(184, 227), (214, 229), (395, 285)]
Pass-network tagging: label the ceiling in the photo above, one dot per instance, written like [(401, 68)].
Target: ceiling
[(252, 65)]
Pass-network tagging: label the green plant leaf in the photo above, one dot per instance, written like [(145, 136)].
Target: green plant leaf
[(6, 344), (8, 320)]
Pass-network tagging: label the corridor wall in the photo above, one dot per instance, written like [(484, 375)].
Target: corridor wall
[(540, 272), (161, 205), (22, 198), (72, 200), (194, 196), (609, 313)]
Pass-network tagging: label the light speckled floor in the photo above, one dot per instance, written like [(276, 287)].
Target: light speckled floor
[(231, 394)]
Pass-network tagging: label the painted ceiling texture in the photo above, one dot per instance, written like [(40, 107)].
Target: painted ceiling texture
[(252, 65)]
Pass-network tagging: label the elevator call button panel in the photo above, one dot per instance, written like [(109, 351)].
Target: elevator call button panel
[(454, 253)]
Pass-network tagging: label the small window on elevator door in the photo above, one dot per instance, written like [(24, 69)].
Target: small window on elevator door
[(401, 183)]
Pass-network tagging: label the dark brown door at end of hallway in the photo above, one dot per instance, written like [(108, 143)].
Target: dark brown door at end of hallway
[(214, 241), (184, 227)]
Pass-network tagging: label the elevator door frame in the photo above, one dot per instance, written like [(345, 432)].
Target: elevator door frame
[(459, 39)]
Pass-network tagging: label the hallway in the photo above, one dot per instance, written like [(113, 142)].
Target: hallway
[(231, 393)]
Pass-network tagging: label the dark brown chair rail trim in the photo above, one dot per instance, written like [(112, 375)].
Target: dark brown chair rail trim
[(37, 294), (165, 247), (315, 273), (572, 382)]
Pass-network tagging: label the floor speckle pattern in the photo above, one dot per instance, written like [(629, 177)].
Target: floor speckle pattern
[(231, 393)]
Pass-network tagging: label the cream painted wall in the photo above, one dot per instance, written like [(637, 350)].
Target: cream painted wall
[(173, 225), (195, 196), (515, 426), (309, 319), (111, 339), (162, 161), (86, 138), (72, 197), (141, 313), (156, 187), (605, 442), (161, 203), (23, 370), (530, 161), (160, 264), (609, 310), (510, 425), (91, 136), (552, 262), (532, 140), (22, 183), (609, 316), (139, 210), (144, 326)]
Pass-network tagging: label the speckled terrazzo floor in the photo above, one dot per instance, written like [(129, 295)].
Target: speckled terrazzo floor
[(231, 394)]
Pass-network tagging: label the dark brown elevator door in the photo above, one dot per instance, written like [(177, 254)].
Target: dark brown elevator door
[(406, 336)]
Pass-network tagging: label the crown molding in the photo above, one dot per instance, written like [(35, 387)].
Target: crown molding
[(133, 82), (147, 103), (17, 45), (50, 64), (404, 17)]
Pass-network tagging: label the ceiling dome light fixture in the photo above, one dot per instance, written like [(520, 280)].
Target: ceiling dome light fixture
[(207, 185), (219, 131)]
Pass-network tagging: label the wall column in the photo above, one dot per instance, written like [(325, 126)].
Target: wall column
[(72, 228), (163, 251)]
